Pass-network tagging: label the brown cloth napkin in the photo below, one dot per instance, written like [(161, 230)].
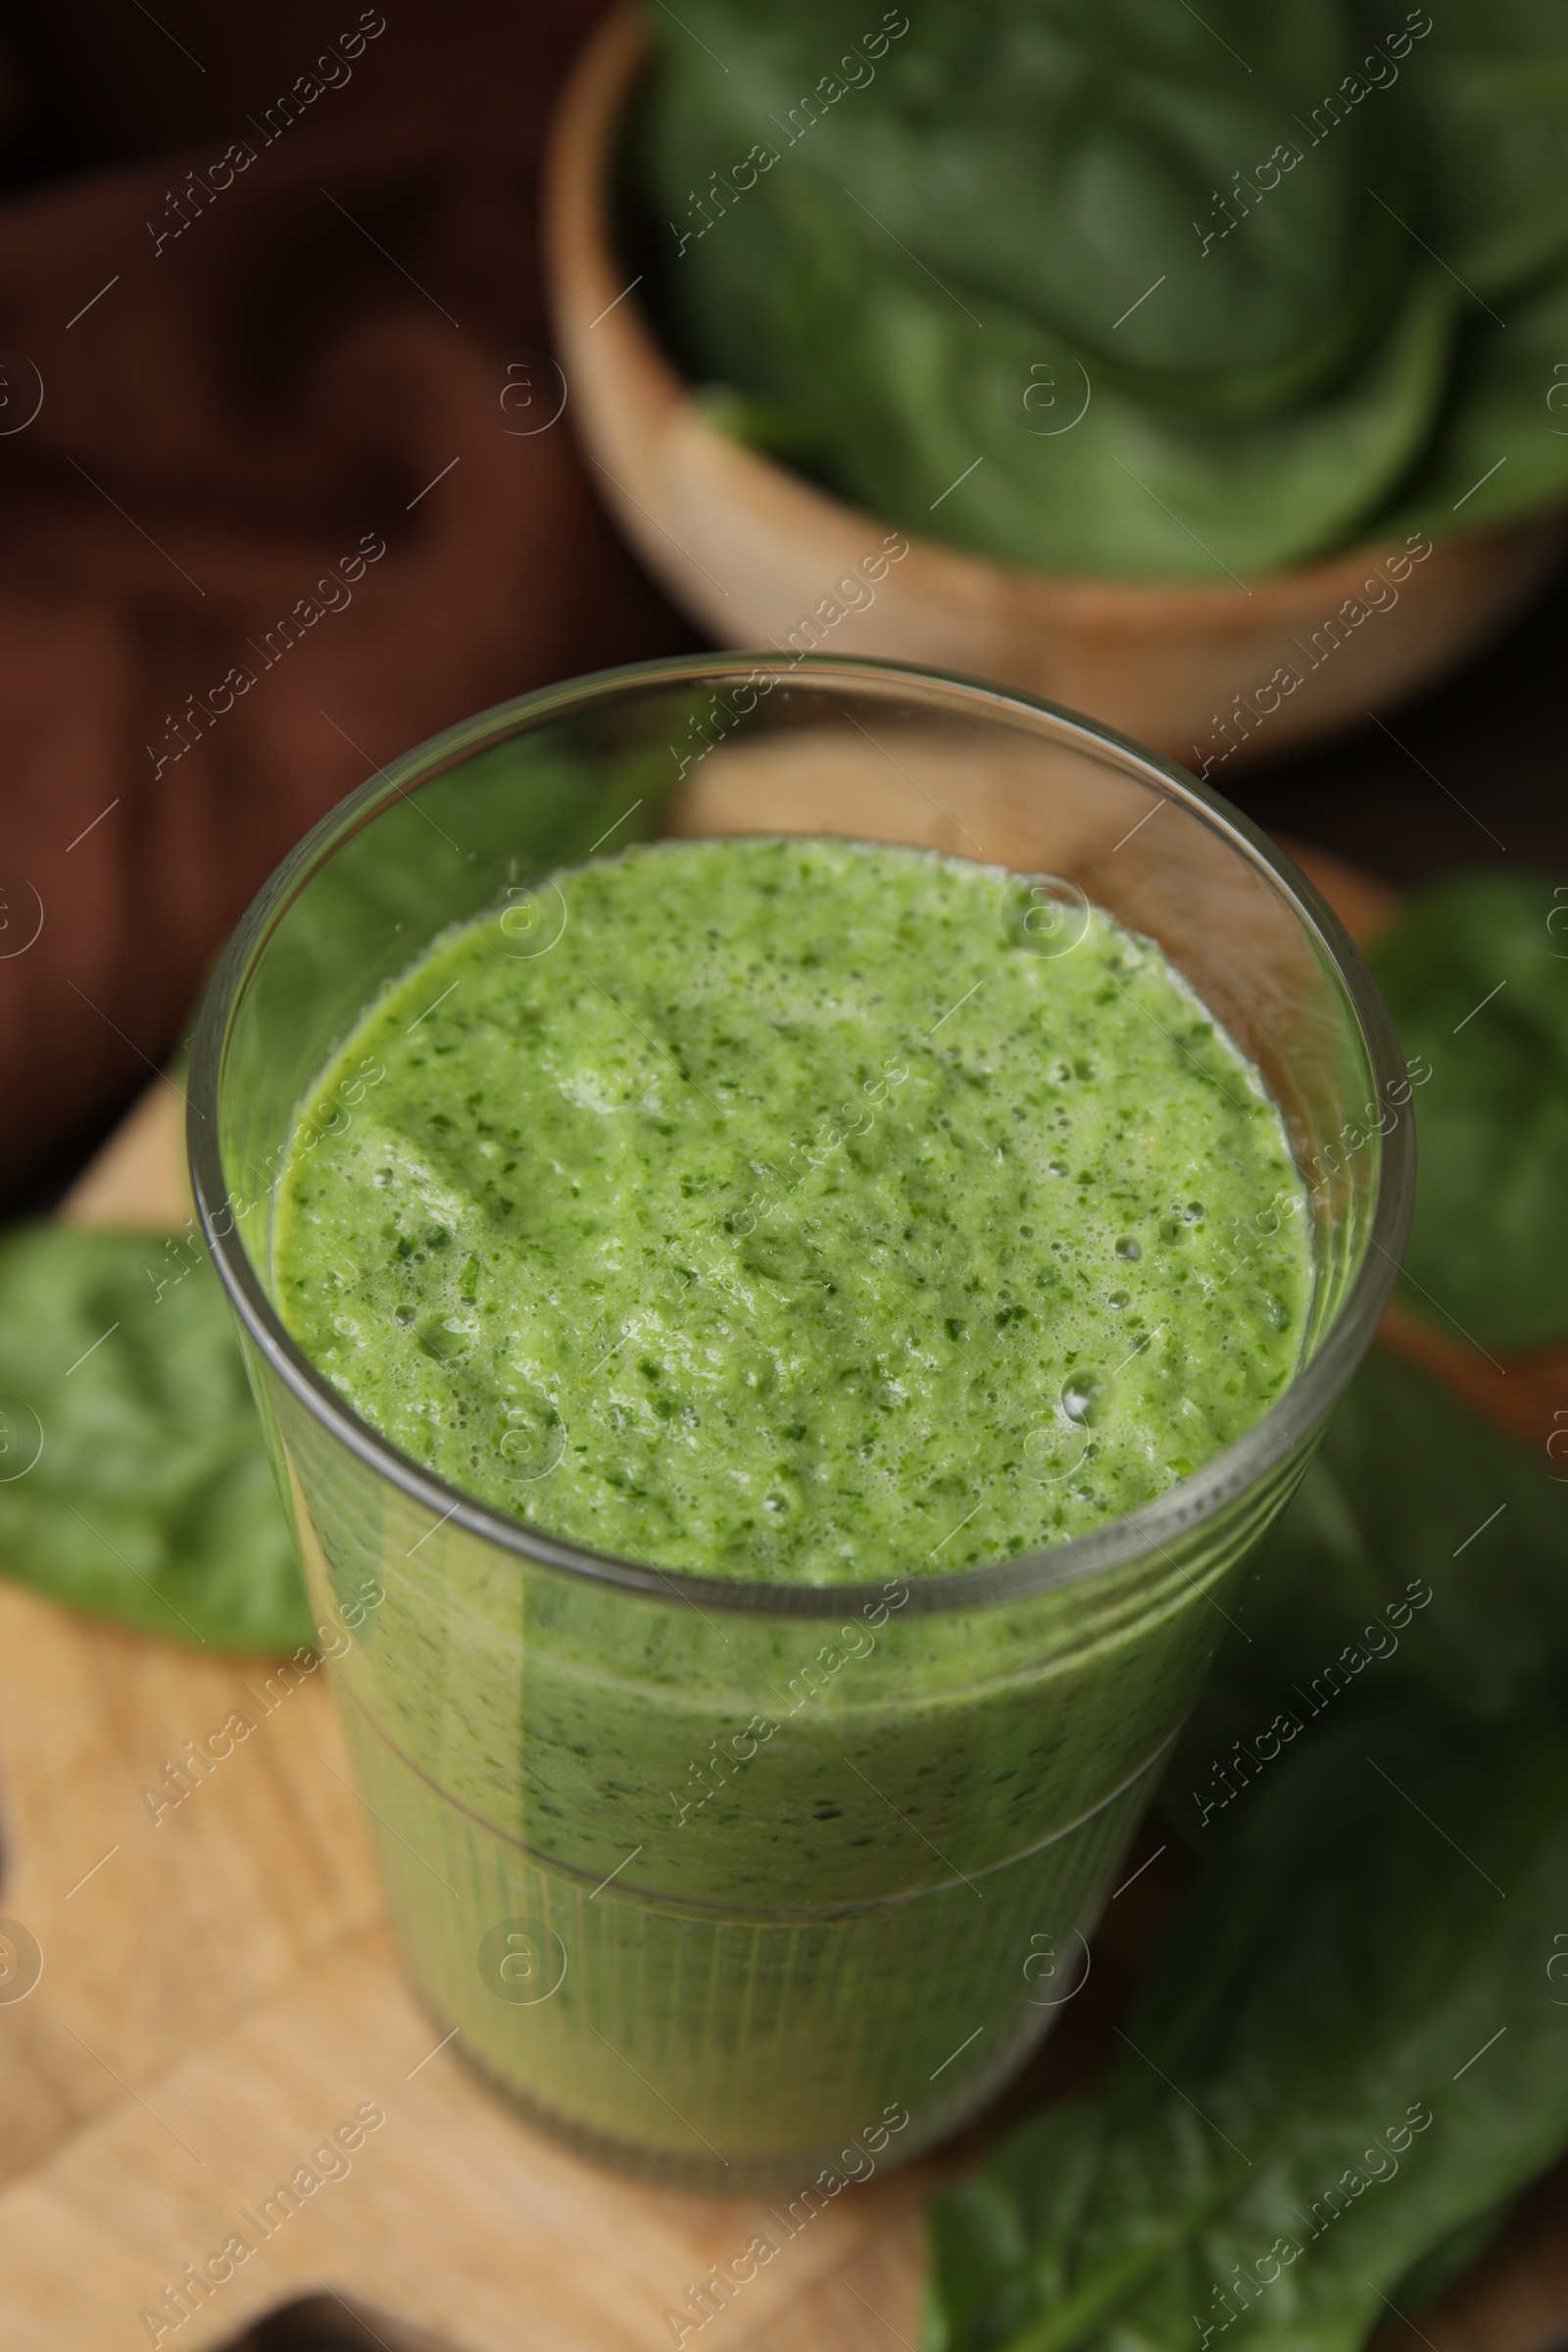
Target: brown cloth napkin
[(278, 496)]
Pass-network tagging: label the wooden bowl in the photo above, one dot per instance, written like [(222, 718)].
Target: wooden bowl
[(755, 554)]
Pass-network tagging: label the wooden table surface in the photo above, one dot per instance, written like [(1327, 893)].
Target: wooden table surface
[(218, 1994)]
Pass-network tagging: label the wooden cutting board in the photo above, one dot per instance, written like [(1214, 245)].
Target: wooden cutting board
[(216, 1993)]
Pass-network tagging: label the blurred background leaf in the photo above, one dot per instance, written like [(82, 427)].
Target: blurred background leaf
[(148, 1496)]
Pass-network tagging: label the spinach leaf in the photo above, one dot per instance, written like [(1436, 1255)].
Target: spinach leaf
[(1424, 1554), (1123, 289), (135, 1481), (1489, 88), (994, 437), (1475, 974), (1059, 160), (1500, 450), (1347, 2050)]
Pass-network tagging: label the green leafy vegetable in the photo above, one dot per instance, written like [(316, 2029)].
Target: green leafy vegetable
[(1494, 93), (1476, 976), (903, 392), (970, 130), (1123, 288), (1348, 2052), (135, 1480), (1424, 1554), (1497, 454)]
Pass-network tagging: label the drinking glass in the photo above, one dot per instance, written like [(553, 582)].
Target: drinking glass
[(744, 1885)]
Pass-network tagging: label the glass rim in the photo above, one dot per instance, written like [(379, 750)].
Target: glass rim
[(1170, 1517)]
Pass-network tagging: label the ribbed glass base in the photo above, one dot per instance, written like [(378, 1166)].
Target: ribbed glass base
[(728, 2051)]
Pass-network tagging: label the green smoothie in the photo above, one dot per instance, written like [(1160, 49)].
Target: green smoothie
[(818, 1214), (789, 1211)]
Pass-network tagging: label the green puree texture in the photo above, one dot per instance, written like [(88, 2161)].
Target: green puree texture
[(805, 1212)]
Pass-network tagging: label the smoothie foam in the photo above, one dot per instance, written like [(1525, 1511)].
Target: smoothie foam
[(792, 1216)]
